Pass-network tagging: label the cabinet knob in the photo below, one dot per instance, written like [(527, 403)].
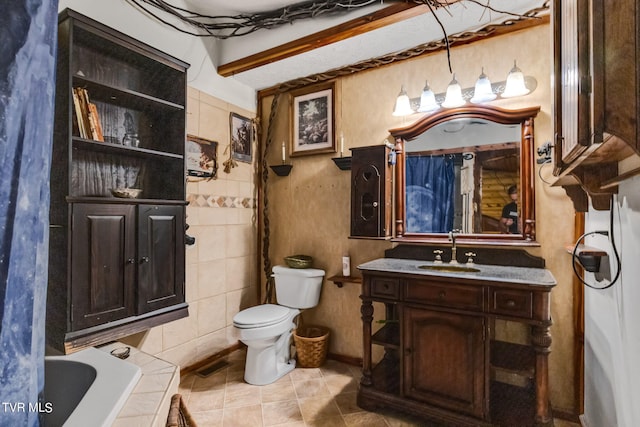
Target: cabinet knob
[(375, 204), (131, 261), (511, 303), (442, 294), (144, 259)]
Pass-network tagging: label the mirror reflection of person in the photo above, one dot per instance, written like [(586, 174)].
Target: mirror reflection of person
[(509, 217)]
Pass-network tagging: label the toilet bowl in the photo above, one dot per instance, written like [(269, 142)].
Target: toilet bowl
[(267, 329)]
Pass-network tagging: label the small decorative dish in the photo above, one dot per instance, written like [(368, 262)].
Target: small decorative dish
[(298, 261), (126, 193)]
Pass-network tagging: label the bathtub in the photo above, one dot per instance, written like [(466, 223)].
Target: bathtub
[(87, 388)]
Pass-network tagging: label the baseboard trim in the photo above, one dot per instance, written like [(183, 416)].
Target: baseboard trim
[(566, 416), (349, 360), (211, 359)]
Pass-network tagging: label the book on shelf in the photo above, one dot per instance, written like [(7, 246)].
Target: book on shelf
[(96, 127), (88, 119), (82, 131)]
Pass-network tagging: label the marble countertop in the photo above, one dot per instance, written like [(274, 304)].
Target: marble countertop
[(496, 273)]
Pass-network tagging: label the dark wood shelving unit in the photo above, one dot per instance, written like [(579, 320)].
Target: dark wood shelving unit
[(116, 265)]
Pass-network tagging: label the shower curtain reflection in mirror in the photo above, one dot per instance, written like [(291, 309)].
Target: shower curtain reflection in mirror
[(430, 193)]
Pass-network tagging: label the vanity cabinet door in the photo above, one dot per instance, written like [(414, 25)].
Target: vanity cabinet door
[(103, 272), (444, 360)]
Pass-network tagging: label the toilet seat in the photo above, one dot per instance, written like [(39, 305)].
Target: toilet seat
[(261, 316)]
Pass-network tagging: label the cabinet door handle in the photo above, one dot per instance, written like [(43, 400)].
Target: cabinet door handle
[(144, 259), (131, 261), (511, 303)]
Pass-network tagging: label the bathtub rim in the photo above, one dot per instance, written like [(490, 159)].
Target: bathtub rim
[(114, 382)]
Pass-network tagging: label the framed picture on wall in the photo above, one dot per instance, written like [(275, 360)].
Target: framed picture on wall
[(201, 157), (312, 118), (241, 137)]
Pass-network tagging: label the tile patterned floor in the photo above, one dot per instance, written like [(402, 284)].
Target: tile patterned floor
[(324, 396)]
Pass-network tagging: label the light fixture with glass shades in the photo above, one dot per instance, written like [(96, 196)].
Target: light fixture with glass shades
[(453, 98), (403, 104), (483, 92), (428, 100), (516, 84)]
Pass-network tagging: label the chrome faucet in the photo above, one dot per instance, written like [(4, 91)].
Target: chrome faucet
[(454, 249)]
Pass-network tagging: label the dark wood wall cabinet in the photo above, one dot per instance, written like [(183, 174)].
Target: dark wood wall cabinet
[(597, 97), (116, 265), (371, 180), (442, 361)]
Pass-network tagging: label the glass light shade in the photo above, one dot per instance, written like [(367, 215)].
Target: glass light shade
[(515, 83), (483, 91), (427, 100), (403, 104), (453, 98)]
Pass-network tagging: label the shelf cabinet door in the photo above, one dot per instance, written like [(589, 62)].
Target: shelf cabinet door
[(596, 52), (102, 264), (444, 360), (160, 257), (370, 192), (573, 81)]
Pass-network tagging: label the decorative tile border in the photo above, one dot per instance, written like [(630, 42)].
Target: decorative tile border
[(213, 201)]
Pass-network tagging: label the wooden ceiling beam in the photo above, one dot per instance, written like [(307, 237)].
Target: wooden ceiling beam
[(397, 12)]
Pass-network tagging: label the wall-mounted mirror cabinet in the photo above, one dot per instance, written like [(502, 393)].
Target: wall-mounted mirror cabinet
[(457, 169)]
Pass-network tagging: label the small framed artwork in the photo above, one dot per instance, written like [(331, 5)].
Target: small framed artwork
[(312, 111), (241, 137), (201, 157)]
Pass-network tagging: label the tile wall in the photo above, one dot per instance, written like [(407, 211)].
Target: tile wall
[(220, 268)]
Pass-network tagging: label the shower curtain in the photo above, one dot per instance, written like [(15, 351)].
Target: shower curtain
[(28, 45), (430, 187)]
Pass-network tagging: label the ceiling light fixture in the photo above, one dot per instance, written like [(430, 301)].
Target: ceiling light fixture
[(517, 84)]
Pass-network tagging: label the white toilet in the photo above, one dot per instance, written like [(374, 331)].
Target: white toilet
[(267, 329)]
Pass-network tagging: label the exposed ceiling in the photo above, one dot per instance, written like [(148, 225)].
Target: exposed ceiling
[(268, 57)]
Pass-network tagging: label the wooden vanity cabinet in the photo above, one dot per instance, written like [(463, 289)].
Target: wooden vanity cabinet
[(440, 355), (116, 265)]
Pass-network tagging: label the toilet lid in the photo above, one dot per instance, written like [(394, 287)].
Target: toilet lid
[(261, 315)]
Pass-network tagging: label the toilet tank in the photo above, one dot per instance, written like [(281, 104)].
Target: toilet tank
[(298, 287)]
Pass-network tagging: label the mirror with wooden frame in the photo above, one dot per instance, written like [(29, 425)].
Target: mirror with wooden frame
[(468, 170)]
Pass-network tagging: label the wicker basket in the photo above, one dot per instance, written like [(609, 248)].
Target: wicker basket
[(298, 261), (312, 343)]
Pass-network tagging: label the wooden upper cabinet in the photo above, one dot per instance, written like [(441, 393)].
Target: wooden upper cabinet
[(597, 102), (371, 179)]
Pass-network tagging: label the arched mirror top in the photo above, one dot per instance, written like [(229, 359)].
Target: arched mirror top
[(457, 170)]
